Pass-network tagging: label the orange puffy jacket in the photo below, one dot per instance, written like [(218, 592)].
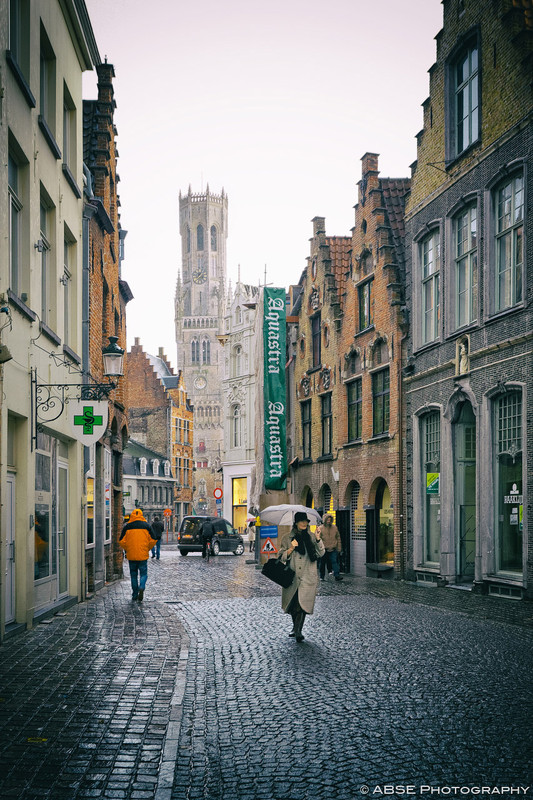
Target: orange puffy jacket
[(136, 537)]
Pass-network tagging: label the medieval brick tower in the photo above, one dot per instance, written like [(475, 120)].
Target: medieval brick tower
[(200, 304)]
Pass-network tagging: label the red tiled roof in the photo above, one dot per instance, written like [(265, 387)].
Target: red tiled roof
[(340, 248)]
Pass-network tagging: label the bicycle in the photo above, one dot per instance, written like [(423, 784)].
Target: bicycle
[(208, 550)]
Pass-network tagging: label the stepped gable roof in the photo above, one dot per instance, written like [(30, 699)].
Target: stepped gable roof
[(394, 192), (89, 130), (340, 250)]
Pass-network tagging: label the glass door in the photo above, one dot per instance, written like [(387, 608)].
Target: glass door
[(465, 492), (62, 528)]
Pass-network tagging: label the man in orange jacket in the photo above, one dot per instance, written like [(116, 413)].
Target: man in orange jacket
[(137, 540)]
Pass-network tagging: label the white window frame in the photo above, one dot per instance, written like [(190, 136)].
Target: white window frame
[(465, 239), (430, 266), (511, 233)]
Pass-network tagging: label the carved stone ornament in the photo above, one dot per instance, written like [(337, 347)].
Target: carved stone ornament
[(314, 298), (325, 376), (305, 384)]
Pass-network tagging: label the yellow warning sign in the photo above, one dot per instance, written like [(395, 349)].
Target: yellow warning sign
[(268, 547)]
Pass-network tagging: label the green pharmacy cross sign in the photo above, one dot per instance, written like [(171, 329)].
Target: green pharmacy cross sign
[(88, 420)]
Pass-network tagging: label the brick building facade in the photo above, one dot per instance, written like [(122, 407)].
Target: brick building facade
[(469, 382), (161, 418), (346, 443), (105, 295)]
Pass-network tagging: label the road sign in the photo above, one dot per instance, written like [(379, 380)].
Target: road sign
[(268, 547), (268, 531), (218, 493), (167, 512)]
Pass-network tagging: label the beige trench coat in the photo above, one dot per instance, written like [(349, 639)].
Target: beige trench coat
[(306, 579)]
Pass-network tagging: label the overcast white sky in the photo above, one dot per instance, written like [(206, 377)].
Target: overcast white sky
[(276, 102)]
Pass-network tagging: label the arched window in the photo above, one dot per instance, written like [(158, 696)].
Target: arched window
[(188, 239), (200, 237), (195, 351), (238, 316), (236, 425), (206, 351), (213, 238)]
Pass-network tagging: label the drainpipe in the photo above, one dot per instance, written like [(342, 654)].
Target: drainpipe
[(88, 212), (403, 520)]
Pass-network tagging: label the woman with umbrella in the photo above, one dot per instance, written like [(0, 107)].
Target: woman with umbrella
[(303, 548)]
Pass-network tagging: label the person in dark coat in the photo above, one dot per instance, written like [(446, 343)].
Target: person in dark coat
[(208, 530), (157, 533), (303, 548)]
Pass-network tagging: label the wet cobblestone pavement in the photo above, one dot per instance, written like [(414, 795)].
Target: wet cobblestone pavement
[(199, 694)]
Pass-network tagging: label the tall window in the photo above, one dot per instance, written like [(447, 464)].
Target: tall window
[(509, 243), (466, 91), (15, 226), (327, 432), (213, 238), (380, 402), (107, 495), (465, 229), (69, 131), (237, 361), (195, 351), (430, 268), (364, 296), (306, 429), (19, 35), (206, 351), (46, 262), (315, 339), (508, 487), (47, 84), (66, 280), (236, 424), (355, 409), (431, 485), (188, 239), (200, 237)]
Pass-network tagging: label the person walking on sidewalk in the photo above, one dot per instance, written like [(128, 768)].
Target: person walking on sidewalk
[(303, 549), (333, 545), (157, 533), (251, 534), (137, 540)]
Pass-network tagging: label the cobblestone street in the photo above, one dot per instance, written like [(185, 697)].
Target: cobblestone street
[(199, 693)]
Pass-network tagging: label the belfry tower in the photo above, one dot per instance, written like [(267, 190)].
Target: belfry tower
[(199, 313)]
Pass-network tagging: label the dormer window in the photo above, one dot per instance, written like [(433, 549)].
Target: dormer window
[(166, 467), (142, 465), (155, 466)]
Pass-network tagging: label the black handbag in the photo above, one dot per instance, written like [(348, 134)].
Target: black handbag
[(277, 571)]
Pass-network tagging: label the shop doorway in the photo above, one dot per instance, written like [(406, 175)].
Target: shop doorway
[(10, 545), (465, 491), (62, 528), (380, 528)]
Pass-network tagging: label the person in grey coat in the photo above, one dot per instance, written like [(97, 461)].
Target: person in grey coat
[(303, 549)]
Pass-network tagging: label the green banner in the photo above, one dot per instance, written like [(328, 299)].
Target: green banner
[(274, 388)]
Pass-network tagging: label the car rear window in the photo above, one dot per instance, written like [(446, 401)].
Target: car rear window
[(192, 526)]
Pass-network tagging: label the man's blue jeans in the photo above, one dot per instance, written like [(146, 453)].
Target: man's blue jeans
[(138, 569), (330, 560), (156, 549)]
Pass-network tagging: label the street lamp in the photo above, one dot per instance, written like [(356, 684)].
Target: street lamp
[(113, 357)]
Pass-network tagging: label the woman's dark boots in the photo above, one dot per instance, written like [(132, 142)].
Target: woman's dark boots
[(298, 625), (294, 616)]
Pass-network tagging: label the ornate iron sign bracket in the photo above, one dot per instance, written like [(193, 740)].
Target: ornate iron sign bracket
[(49, 400)]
